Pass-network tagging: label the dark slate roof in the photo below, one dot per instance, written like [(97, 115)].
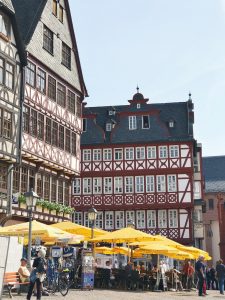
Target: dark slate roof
[(7, 4), (159, 129), (214, 173)]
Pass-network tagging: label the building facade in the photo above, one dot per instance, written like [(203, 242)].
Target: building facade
[(214, 212), (138, 164), (53, 93), (12, 62)]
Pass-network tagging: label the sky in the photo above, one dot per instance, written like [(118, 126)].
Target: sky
[(167, 47)]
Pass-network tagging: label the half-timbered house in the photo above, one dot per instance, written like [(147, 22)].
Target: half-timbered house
[(138, 164)]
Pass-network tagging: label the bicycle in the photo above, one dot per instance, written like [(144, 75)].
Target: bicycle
[(59, 283)]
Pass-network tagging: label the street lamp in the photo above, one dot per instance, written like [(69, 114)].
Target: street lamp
[(92, 215), (31, 199)]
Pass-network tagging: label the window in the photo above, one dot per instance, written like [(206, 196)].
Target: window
[(24, 179), (86, 155), (130, 216), (4, 25), (71, 102), (107, 185), (30, 73), (9, 75), (132, 123), (48, 131), (2, 70), (162, 219), (174, 151), (26, 119), (84, 125), (118, 185), (163, 153), (151, 218), (197, 190), (3, 178), (97, 155), (119, 219), (171, 123), (173, 222), (139, 184), (60, 191), (78, 218), (118, 154), (16, 179), (66, 193), (40, 127), (86, 220), (47, 187), (107, 154), (61, 13), (68, 141), (171, 183), (48, 39), (41, 81), (51, 88), (53, 189), (40, 184), (129, 185), (151, 152), (109, 220), (108, 127), (74, 144), (140, 219), (61, 95), (61, 137), (97, 185), (78, 106), (55, 133), (66, 56), (86, 185), (76, 186), (197, 215), (150, 184), (6, 124), (129, 153), (54, 7), (161, 183), (211, 204), (145, 122), (33, 122), (138, 105), (99, 220), (140, 153)]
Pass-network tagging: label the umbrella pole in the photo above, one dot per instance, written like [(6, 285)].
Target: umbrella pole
[(157, 278)]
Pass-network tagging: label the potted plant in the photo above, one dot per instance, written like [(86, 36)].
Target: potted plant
[(59, 210), (46, 206), (39, 205), (52, 208), (68, 211), (22, 201)]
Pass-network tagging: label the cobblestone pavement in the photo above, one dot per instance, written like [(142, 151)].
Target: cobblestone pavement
[(125, 295)]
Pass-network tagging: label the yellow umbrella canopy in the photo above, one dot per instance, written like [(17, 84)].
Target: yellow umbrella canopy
[(104, 250), (156, 248), (195, 252), (125, 235), (78, 229)]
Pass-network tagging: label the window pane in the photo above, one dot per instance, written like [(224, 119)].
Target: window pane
[(4, 24), (41, 81), (61, 137), (61, 95), (48, 131), (51, 88), (74, 144), (71, 102), (2, 70), (61, 13), (26, 119), (66, 55), (55, 133), (48, 39), (54, 7), (33, 122), (9, 76), (7, 125), (53, 189), (30, 73)]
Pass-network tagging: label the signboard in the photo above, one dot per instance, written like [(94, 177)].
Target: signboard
[(87, 276)]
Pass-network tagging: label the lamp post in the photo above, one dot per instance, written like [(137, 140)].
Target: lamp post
[(92, 215), (31, 199)]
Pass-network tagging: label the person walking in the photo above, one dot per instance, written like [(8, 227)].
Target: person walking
[(38, 274), (220, 273), (200, 271)]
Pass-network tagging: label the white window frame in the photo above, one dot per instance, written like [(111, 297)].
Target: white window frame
[(87, 186), (86, 154), (140, 153), (86, 219), (143, 122), (132, 122), (163, 152), (140, 219), (108, 127), (129, 184), (171, 183), (97, 185), (118, 185), (119, 219), (118, 154), (150, 184), (130, 215), (151, 219), (161, 183), (97, 154), (99, 220), (107, 154), (77, 186), (109, 220), (107, 185), (78, 217), (151, 152), (139, 184), (174, 151), (129, 153), (173, 218), (162, 218)]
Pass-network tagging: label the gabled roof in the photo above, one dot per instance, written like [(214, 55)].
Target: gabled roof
[(28, 13), (7, 4), (214, 173)]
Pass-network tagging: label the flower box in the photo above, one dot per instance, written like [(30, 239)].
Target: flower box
[(53, 212), (67, 216), (46, 210), (60, 214), (39, 208), (23, 205)]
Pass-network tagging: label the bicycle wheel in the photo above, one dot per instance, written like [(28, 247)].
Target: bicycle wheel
[(63, 286)]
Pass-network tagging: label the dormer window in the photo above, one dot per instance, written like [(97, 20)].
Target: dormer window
[(112, 112), (84, 125), (4, 25), (145, 122), (108, 127), (138, 106), (171, 123)]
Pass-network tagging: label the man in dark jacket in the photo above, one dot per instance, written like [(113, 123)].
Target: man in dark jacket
[(200, 271), (220, 273)]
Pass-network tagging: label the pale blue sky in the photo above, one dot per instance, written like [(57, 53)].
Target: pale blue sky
[(167, 47)]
